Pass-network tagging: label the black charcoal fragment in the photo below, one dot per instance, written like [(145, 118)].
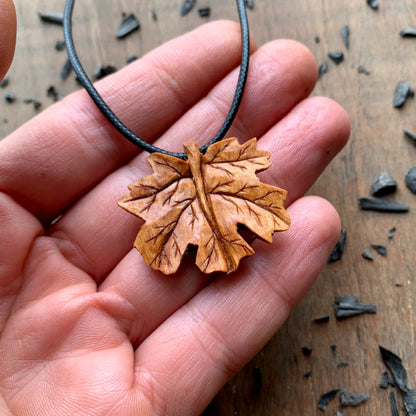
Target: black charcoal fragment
[(380, 249), (410, 135), (398, 284), (66, 70), (36, 104), (410, 402), (250, 4), (9, 97), (317, 39), (347, 306), (306, 350), (373, 4), (352, 399), (338, 250), (323, 68), (204, 12), (52, 93), (408, 32), (340, 414), (384, 184), (257, 381), (393, 404), (334, 348), (401, 94), (326, 398), (154, 15), (131, 59), (103, 70), (336, 56), (343, 364), (321, 319), (345, 34), (386, 380), (307, 374), (56, 18), (362, 70), (411, 179), (367, 255), (4, 82), (60, 45), (390, 235), (128, 26), (394, 364), (382, 205), (187, 7)]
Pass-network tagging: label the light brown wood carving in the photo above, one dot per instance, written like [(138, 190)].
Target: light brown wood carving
[(200, 201)]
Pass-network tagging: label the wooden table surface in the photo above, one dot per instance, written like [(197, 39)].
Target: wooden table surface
[(377, 144)]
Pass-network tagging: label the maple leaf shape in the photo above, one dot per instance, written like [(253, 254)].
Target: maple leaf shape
[(201, 201)]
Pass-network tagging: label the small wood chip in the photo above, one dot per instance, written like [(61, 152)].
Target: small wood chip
[(66, 70), (362, 70), (204, 12), (336, 56), (321, 319), (410, 402), (367, 255), (394, 364), (393, 404), (56, 18), (338, 250), (390, 235), (408, 32), (323, 68), (380, 249), (128, 26), (345, 34), (187, 6), (326, 398), (9, 97), (384, 184), (386, 380), (381, 205), (410, 135), (401, 94), (347, 306), (373, 4), (352, 399), (411, 179)]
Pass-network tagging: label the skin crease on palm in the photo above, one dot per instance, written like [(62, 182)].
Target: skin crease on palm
[(86, 328)]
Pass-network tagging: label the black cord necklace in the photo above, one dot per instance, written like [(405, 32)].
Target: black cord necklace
[(199, 197), (115, 121)]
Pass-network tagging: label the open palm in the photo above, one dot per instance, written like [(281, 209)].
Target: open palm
[(86, 327)]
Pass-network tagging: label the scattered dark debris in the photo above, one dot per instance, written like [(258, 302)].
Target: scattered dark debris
[(382, 205), (131, 59), (306, 350), (410, 135), (187, 7), (204, 12), (380, 249), (4, 82), (347, 306), (250, 4), (390, 235), (317, 39), (128, 26), (401, 94), (66, 70), (345, 34), (386, 380), (408, 32), (334, 348), (373, 4), (5, 121), (323, 68), (326, 398), (257, 381), (411, 179), (321, 319), (393, 404), (103, 70), (352, 399), (343, 364), (154, 15), (339, 247), (336, 56), (56, 18), (10, 97), (384, 184), (367, 255), (60, 45), (394, 364), (52, 93), (308, 374), (36, 104), (398, 284), (362, 70), (410, 402), (340, 413)]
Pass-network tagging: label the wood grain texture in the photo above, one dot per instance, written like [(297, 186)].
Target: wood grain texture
[(377, 144), (199, 202)]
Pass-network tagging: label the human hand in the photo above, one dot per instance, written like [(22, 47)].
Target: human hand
[(86, 327)]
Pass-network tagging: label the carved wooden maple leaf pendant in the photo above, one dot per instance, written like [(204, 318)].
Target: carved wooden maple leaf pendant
[(200, 201)]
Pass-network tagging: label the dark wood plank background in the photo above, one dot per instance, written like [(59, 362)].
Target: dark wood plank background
[(377, 144)]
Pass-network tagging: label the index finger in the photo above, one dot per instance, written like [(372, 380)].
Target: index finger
[(57, 157), (7, 35)]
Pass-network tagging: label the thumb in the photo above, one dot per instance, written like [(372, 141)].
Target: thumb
[(7, 35)]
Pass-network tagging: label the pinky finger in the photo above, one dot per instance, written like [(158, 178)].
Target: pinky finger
[(192, 354)]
